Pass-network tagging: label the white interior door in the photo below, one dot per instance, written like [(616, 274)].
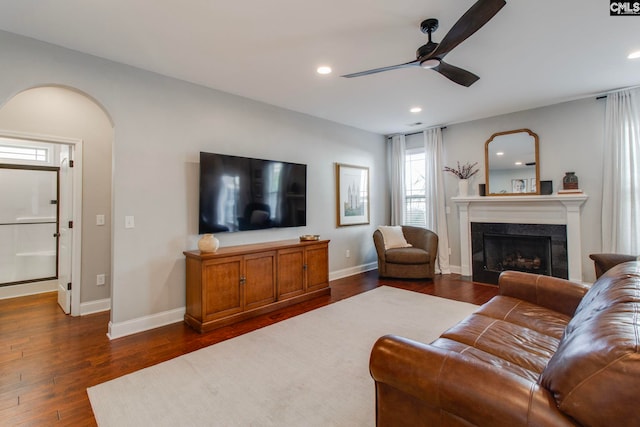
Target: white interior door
[(65, 239)]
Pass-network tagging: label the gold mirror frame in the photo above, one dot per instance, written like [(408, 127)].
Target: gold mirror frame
[(519, 175)]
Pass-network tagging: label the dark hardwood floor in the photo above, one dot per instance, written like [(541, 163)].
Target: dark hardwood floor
[(47, 359)]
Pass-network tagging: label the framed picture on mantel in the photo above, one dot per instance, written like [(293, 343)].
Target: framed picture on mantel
[(352, 194)]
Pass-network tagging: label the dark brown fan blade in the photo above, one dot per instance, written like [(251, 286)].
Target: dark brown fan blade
[(456, 75), (379, 70), (477, 15)]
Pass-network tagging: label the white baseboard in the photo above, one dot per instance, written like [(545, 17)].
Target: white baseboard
[(334, 275), (96, 306), (455, 269), (141, 324)]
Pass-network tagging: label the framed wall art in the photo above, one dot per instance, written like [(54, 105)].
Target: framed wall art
[(352, 194)]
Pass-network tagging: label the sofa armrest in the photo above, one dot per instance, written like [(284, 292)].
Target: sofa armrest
[(450, 386), (553, 293), (604, 262)]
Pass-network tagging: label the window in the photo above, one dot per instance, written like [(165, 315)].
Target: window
[(15, 151), (414, 184)]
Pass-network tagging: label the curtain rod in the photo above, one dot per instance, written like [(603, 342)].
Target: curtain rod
[(616, 90), (415, 133)]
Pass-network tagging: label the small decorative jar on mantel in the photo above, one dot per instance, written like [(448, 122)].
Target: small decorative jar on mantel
[(570, 181)]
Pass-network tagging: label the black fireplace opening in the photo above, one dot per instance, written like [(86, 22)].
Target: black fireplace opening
[(531, 248)]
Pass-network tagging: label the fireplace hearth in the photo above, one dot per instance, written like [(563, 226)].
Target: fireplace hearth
[(532, 248)]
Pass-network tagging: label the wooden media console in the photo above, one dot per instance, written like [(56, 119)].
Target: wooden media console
[(239, 282)]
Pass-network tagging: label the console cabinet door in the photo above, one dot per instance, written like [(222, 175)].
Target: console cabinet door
[(317, 270), (259, 279), (223, 295), (290, 272)]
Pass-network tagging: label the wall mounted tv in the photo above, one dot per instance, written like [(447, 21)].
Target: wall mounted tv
[(240, 193)]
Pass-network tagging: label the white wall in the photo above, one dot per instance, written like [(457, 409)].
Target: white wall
[(161, 124), (571, 139)]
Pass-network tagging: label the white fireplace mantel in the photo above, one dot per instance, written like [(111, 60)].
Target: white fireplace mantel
[(551, 209)]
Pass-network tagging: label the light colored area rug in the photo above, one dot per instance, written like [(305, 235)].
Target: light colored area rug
[(310, 370)]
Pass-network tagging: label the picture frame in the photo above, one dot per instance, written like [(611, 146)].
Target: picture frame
[(519, 185), (352, 195)]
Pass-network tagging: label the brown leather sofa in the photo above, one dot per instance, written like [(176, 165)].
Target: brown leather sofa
[(544, 352), (415, 262)]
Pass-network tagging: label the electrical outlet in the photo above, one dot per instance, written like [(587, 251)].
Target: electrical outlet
[(99, 219), (347, 254), (100, 279)]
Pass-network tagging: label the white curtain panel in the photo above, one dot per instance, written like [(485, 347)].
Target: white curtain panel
[(435, 195), (621, 180), (396, 176)]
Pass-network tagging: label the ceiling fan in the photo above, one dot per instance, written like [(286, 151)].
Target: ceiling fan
[(431, 55)]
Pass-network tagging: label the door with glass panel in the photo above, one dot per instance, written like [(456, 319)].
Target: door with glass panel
[(28, 223)]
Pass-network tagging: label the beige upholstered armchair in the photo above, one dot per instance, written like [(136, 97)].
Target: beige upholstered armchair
[(409, 262)]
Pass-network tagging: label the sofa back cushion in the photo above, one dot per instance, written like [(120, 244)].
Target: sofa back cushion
[(594, 375)]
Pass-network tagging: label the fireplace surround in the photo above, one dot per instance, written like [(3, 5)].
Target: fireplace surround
[(535, 209)]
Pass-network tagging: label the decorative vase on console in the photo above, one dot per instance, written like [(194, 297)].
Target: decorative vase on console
[(208, 243), (463, 172)]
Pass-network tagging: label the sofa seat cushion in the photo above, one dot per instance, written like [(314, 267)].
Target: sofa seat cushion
[(595, 374), (407, 256), (509, 333), (523, 313), (486, 357)]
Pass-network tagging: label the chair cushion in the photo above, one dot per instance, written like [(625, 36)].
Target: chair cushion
[(393, 237), (407, 256)]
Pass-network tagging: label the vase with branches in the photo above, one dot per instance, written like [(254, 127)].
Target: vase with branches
[(464, 172)]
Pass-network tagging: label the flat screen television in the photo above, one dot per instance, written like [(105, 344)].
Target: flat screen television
[(240, 193)]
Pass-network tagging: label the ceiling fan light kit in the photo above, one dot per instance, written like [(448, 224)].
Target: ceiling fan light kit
[(431, 54), (430, 63)]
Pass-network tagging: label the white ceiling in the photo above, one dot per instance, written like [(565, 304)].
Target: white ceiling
[(531, 54)]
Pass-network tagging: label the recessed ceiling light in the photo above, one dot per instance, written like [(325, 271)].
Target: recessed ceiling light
[(415, 109), (499, 153), (518, 163), (324, 70), (634, 55)]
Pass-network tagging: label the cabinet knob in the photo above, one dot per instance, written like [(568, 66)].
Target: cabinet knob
[(243, 280)]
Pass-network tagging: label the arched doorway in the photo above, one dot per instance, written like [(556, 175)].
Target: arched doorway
[(67, 116)]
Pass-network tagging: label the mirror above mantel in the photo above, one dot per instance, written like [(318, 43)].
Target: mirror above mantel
[(512, 163)]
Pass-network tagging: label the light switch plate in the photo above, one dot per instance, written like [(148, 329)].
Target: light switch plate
[(129, 222)]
